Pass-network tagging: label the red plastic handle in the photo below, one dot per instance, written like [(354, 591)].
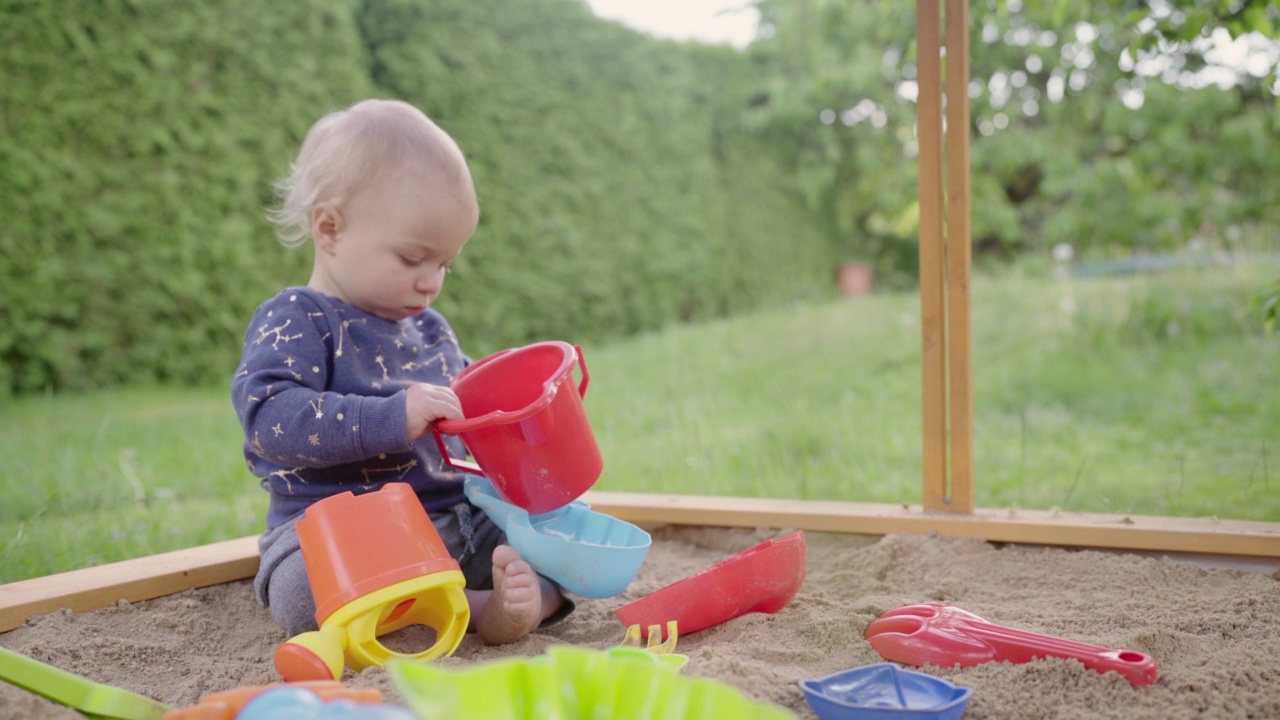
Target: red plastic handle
[(582, 365), (449, 460), (1022, 646)]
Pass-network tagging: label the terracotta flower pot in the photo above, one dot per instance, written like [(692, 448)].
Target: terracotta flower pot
[(855, 279)]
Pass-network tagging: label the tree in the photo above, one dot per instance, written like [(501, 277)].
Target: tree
[(833, 73), (1075, 106)]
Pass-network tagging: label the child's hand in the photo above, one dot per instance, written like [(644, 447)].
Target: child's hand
[(425, 403)]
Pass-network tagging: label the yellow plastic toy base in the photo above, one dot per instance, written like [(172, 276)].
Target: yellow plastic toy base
[(349, 636), (436, 600)]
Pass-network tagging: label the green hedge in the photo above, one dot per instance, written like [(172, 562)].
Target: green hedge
[(618, 191), (138, 141)]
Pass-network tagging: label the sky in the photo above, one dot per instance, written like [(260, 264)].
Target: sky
[(730, 22), (734, 22)]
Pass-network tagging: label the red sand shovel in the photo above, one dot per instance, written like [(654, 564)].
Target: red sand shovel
[(760, 579), (943, 635)]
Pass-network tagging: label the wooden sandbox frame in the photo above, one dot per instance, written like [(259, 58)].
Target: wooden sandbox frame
[(948, 487), (172, 572)]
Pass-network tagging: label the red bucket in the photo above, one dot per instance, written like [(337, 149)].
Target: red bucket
[(527, 432)]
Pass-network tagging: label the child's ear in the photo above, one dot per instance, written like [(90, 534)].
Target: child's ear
[(326, 224)]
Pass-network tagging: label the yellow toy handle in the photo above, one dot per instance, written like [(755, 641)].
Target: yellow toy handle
[(349, 636), (436, 600)]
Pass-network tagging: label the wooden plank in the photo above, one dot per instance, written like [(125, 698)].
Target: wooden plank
[(1038, 527), (959, 264), (932, 309), (133, 580), (157, 575)]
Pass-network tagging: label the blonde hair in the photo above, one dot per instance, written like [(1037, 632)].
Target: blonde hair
[(347, 148)]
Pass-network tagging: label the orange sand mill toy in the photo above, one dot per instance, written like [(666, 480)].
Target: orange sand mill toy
[(376, 565)]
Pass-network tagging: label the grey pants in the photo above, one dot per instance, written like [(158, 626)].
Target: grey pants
[(283, 587)]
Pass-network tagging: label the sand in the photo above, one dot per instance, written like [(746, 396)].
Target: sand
[(1214, 632)]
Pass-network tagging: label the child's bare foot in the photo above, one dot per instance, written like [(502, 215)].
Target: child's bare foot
[(515, 607)]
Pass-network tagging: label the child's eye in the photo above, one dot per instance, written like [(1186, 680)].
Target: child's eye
[(410, 261)]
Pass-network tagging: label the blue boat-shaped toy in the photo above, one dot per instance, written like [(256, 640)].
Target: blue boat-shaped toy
[(590, 554), (885, 691)]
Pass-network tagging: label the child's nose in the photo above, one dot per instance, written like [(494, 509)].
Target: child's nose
[(429, 281)]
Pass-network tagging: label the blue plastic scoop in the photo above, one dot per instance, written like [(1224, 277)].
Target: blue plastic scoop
[(885, 691), (587, 553)]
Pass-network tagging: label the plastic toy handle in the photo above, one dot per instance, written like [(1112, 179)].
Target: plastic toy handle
[(582, 365), (315, 655), (1021, 645), (448, 459), (506, 515), (938, 633)]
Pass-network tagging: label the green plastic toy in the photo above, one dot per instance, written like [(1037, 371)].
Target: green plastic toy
[(572, 683), (93, 700)]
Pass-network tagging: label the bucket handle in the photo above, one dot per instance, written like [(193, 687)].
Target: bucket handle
[(473, 468), (582, 365), (451, 461)]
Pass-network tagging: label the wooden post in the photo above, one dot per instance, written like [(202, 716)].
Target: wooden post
[(945, 262), (959, 261), (932, 300)]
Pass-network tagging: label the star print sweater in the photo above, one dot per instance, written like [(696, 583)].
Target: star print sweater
[(320, 393)]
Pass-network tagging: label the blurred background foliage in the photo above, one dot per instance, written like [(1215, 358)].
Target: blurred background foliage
[(626, 183), (619, 190), (1118, 127)]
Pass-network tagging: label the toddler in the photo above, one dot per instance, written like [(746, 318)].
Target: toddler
[(340, 380)]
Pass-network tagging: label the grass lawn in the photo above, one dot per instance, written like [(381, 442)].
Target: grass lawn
[(1145, 394)]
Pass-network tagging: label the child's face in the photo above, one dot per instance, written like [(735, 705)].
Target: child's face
[(387, 249)]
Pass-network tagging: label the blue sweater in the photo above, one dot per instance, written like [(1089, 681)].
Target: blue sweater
[(320, 393)]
